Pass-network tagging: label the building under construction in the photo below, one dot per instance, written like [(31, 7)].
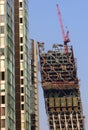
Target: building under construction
[(61, 88)]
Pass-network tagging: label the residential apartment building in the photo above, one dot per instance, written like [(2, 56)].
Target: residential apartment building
[(7, 76)]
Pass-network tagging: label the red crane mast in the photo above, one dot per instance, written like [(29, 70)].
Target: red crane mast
[(65, 35)]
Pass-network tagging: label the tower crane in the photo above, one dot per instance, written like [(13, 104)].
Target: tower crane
[(64, 35)]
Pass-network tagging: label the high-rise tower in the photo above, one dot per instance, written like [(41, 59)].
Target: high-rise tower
[(7, 76), (14, 64), (22, 82), (61, 88)]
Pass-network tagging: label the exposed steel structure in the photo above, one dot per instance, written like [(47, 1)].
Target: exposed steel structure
[(61, 88)]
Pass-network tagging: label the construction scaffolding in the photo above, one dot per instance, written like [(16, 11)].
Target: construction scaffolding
[(61, 88)]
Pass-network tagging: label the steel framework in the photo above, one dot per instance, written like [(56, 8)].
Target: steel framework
[(61, 88)]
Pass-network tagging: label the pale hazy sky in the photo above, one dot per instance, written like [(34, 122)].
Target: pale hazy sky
[(45, 27)]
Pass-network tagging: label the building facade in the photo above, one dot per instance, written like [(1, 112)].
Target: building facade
[(34, 106), (22, 76), (14, 64), (18, 69), (7, 76)]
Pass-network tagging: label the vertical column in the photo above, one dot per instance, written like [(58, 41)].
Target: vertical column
[(66, 125), (59, 121), (71, 121), (54, 125), (78, 125), (17, 65)]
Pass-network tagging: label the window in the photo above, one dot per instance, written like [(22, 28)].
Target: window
[(22, 89), (1, 29), (3, 123), (22, 81), (21, 39), (21, 72), (2, 111), (2, 41), (3, 100), (21, 57), (1, 8), (1, 18), (22, 98), (21, 4), (22, 106), (21, 20), (1, 51), (21, 48), (2, 75)]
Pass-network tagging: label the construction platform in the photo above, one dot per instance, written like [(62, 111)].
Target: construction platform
[(61, 88)]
